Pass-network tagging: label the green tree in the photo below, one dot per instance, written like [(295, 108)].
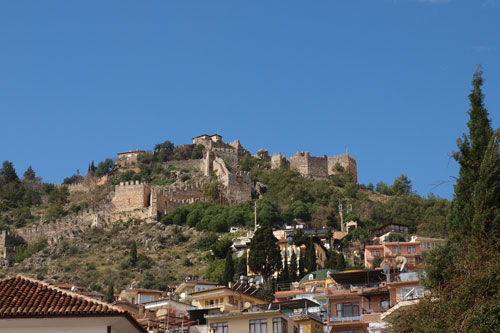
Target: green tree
[(463, 274), (292, 270), (133, 254), (401, 185), (265, 257), (104, 167), (221, 247), (110, 293), (311, 265), (8, 173), (229, 268), (486, 218), (197, 152), (29, 174), (470, 155)]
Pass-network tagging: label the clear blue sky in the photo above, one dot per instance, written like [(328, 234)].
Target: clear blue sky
[(83, 80)]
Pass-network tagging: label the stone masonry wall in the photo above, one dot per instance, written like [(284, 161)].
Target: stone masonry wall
[(347, 162), (309, 166), (185, 164), (131, 196)]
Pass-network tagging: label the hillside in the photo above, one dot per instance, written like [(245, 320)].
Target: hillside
[(91, 234)]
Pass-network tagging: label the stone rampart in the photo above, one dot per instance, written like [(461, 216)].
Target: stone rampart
[(347, 162), (309, 166), (63, 228), (185, 164), (165, 200), (239, 188), (80, 187), (278, 161), (131, 196)]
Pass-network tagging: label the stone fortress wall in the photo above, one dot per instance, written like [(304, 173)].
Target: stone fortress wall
[(131, 196), (315, 167), (347, 162), (150, 203), (310, 166)]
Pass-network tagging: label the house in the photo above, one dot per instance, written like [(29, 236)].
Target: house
[(30, 305), (188, 286), (355, 298), (139, 296), (252, 321), (389, 228), (91, 294), (302, 311), (310, 287), (362, 301), (428, 243), (396, 254), (224, 299)]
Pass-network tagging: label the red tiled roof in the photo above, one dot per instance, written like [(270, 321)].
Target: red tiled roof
[(22, 296)]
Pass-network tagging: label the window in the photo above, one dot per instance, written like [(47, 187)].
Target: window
[(258, 326), (349, 331), (317, 329), (412, 249), (396, 249), (375, 253), (279, 325), (347, 309), (219, 327)]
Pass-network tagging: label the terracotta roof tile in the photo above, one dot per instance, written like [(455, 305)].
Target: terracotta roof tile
[(22, 296)]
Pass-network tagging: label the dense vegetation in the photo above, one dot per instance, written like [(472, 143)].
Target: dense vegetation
[(463, 274)]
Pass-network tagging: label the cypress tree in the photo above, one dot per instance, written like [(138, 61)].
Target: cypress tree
[(292, 270), (486, 219), (310, 257), (265, 256), (229, 268), (110, 293), (133, 254), (471, 153)]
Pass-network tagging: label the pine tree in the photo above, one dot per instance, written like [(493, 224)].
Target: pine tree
[(228, 268), (29, 174), (292, 270), (133, 254), (8, 172)]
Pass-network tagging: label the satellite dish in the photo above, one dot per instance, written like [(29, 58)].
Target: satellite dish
[(386, 269), (247, 305), (401, 262)]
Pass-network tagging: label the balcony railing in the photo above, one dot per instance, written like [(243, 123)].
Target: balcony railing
[(345, 319)]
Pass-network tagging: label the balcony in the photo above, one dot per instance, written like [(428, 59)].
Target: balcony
[(345, 319)]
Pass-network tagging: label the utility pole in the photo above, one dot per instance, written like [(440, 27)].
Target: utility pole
[(255, 215)]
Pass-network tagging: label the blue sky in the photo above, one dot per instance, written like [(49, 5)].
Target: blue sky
[(83, 80)]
